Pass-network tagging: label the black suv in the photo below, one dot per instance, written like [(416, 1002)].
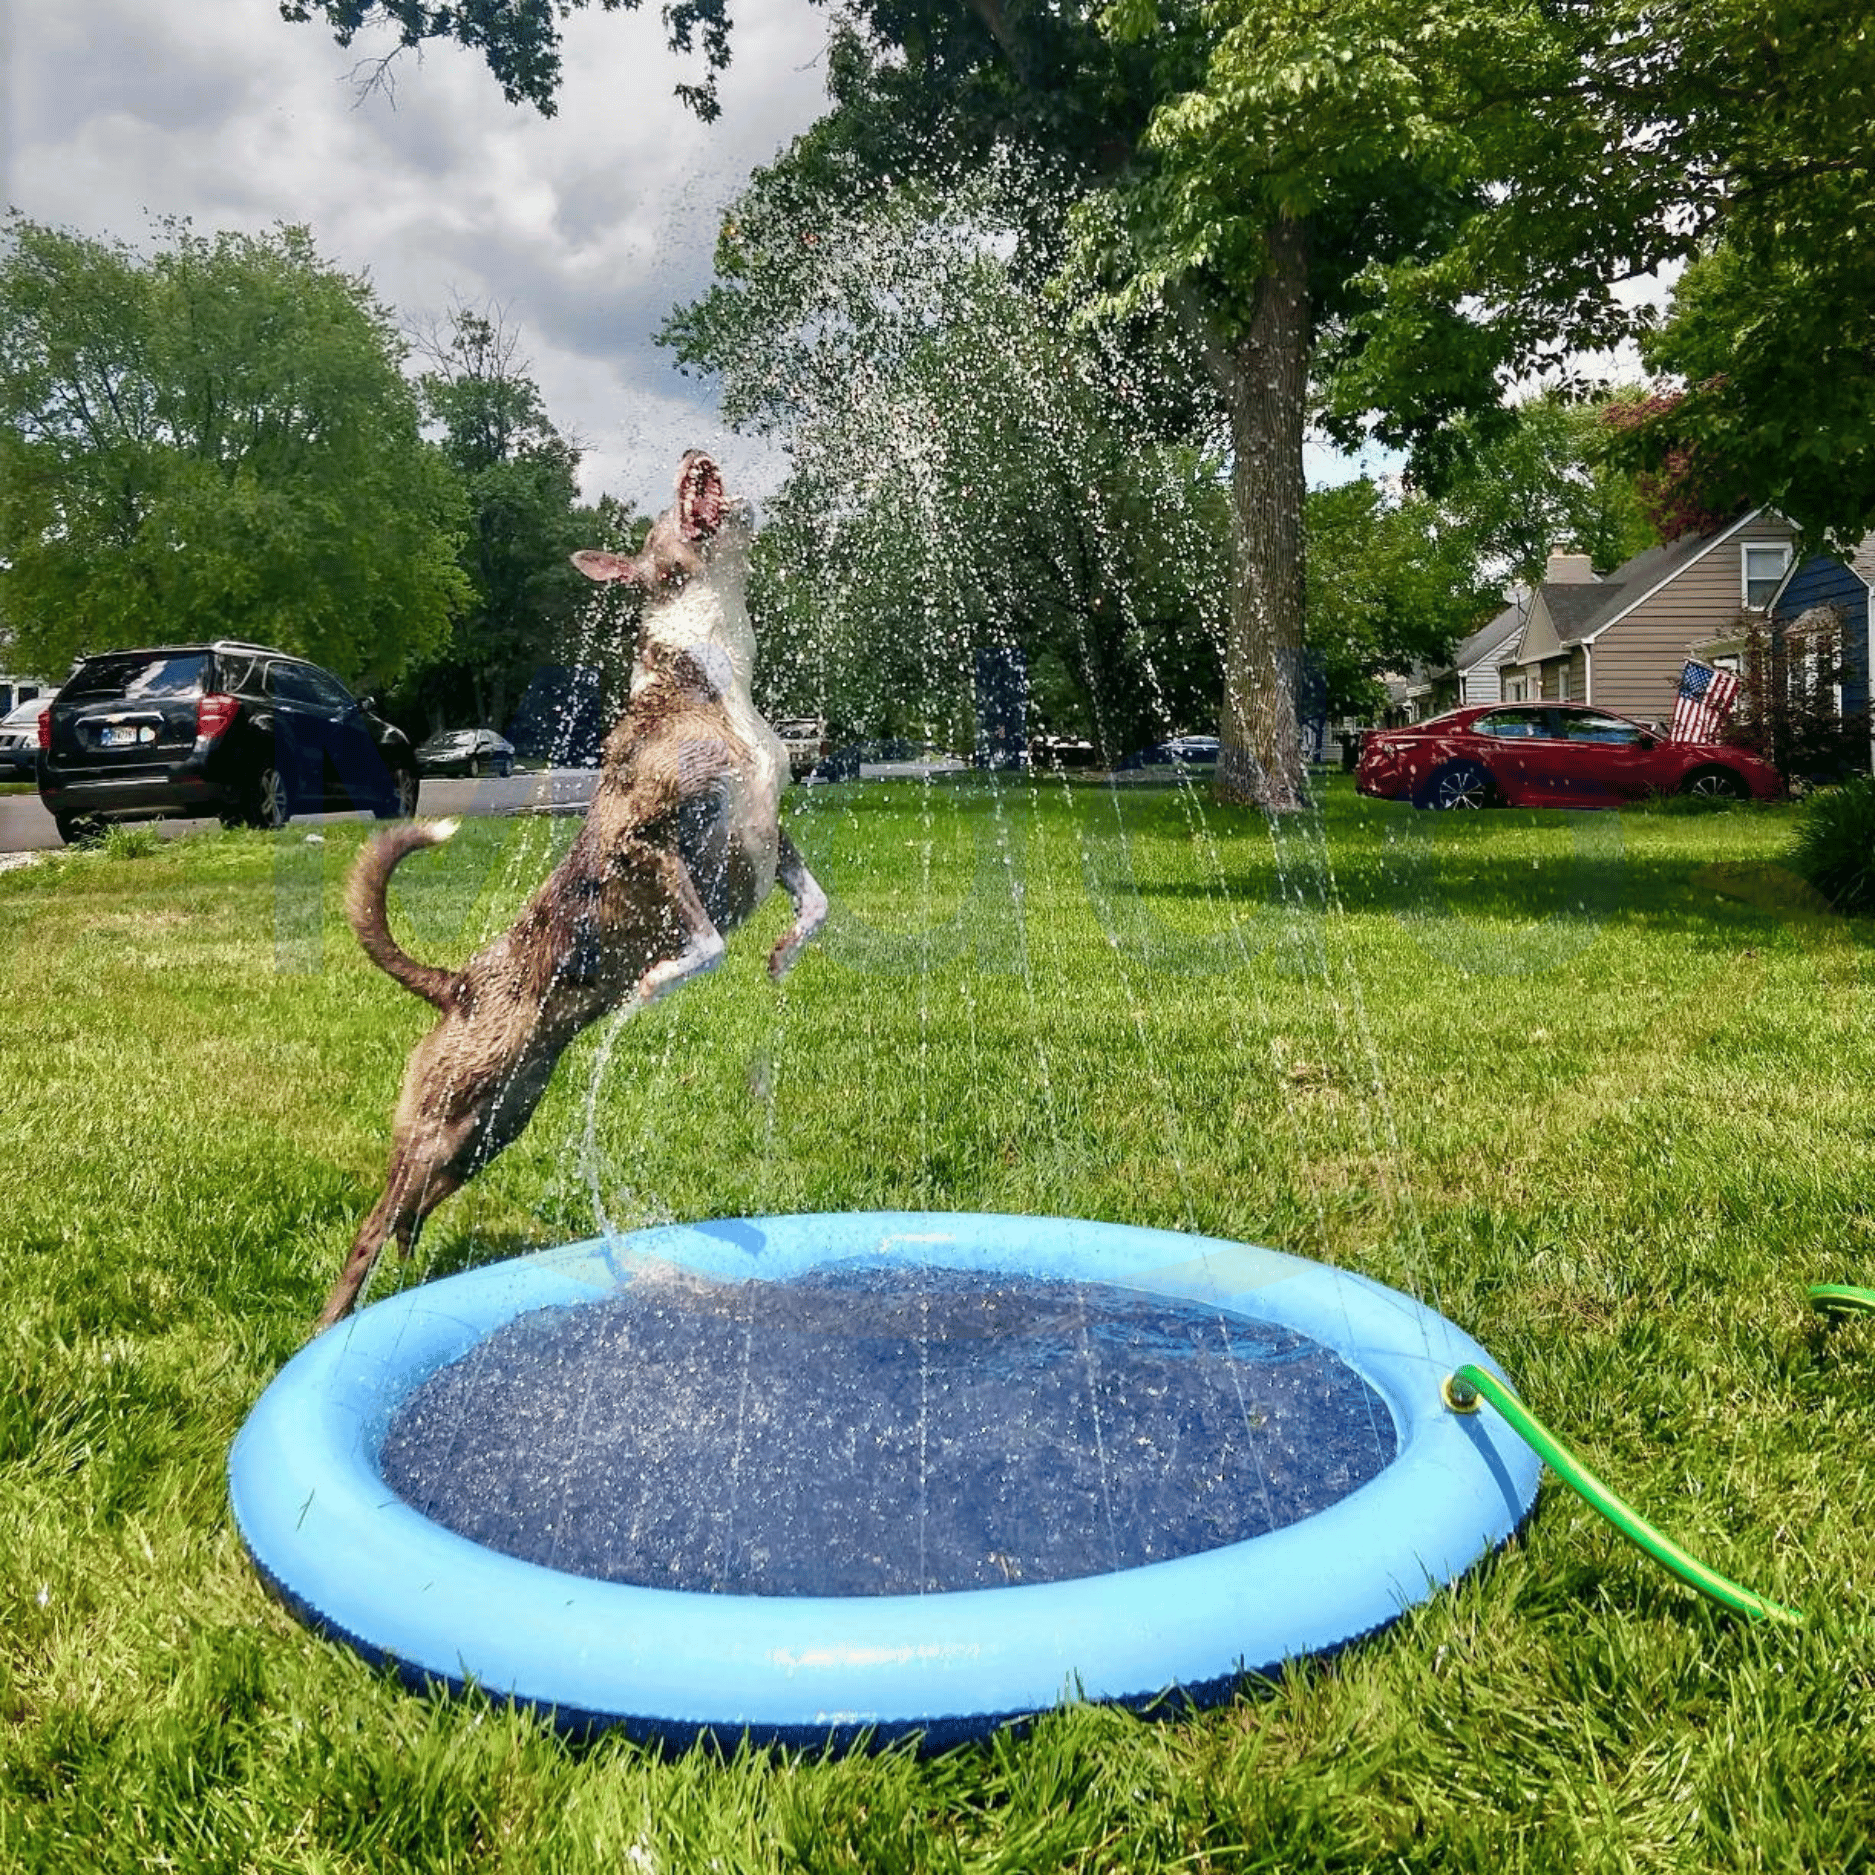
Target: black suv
[(242, 731)]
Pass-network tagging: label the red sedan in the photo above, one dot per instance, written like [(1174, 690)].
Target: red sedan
[(1550, 755)]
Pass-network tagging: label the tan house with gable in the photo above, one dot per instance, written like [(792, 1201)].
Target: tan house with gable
[(1621, 642)]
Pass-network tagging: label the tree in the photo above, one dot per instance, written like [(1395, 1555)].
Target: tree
[(1731, 135), (216, 440), (1768, 357), (1538, 476), (1677, 487), (519, 477), (520, 39), (965, 476), (1585, 144), (927, 88), (1392, 582), (1416, 200)]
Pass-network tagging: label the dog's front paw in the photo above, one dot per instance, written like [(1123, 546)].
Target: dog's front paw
[(781, 958), (673, 972), (793, 942)]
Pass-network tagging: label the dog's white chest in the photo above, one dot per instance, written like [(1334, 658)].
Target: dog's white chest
[(709, 617)]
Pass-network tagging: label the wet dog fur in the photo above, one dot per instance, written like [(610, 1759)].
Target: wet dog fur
[(620, 917)]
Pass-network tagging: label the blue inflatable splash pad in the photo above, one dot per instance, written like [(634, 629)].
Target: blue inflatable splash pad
[(810, 1479)]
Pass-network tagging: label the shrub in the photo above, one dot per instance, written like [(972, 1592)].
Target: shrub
[(1790, 702), (1835, 848), (122, 842)]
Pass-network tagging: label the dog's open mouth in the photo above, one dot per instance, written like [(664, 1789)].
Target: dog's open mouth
[(705, 501)]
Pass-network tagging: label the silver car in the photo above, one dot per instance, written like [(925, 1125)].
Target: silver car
[(19, 739), (466, 752), (805, 739)]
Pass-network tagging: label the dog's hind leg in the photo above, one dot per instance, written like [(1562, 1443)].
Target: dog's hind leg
[(411, 1194), (440, 1139), (810, 907)]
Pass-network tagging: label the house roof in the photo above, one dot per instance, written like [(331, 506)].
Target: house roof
[(1573, 609), (1581, 612), (1489, 639)]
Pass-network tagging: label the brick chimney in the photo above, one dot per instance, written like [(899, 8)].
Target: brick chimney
[(1568, 569)]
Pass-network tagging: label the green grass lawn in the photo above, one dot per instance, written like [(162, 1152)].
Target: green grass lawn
[(1598, 1088)]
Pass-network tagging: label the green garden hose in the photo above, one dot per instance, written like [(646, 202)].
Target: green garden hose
[(1840, 1297), (1470, 1384)]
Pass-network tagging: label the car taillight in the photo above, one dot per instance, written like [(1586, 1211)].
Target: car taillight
[(213, 714), (45, 729)]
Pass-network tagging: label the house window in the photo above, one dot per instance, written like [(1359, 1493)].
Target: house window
[(1516, 689), (1765, 567)]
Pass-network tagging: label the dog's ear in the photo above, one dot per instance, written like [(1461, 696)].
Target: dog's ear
[(597, 564)]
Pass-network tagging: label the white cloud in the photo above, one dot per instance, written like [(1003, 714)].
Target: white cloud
[(585, 228)]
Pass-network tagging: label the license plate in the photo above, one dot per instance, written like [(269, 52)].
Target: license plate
[(124, 735)]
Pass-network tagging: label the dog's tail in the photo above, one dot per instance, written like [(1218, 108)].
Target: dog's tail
[(364, 906)]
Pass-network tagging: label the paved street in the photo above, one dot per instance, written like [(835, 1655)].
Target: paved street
[(25, 826)]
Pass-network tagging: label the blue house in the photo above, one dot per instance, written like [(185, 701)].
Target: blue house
[(1843, 585)]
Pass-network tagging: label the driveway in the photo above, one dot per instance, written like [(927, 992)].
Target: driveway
[(25, 826)]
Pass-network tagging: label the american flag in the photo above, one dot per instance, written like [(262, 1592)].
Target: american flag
[(1705, 700)]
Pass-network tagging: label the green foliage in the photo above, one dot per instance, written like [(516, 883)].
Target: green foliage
[(1316, 115), (519, 480), (965, 475), (1537, 476), (1775, 346), (1835, 844), (520, 39), (1591, 144), (1790, 697), (1681, 488), (213, 440), (1391, 584), (1426, 202), (1395, 581)]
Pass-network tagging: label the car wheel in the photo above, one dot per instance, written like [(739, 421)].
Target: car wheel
[(505, 767), (269, 803), (475, 767), (79, 829), (1715, 784), (1459, 784)]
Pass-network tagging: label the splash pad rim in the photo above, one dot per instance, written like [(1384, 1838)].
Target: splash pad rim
[(359, 1565)]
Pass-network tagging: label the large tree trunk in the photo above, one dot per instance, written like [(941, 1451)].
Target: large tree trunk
[(1265, 377)]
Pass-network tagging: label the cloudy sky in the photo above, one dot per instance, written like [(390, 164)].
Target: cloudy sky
[(585, 228)]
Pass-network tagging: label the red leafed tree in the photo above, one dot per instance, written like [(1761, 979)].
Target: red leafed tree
[(1675, 488)]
